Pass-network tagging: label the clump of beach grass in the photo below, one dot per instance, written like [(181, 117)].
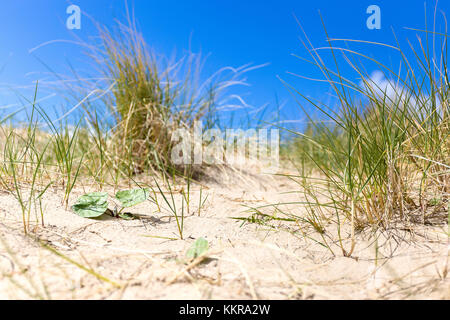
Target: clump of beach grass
[(381, 153), (148, 98)]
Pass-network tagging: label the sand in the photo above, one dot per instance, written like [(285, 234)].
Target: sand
[(75, 258)]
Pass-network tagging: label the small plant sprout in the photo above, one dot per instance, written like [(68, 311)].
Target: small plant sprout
[(95, 204), (201, 203), (198, 248), (130, 198), (173, 208)]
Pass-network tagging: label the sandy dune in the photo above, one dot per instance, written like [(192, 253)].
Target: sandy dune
[(132, 260)]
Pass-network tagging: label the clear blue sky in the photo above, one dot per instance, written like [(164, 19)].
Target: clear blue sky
[(232, 32)]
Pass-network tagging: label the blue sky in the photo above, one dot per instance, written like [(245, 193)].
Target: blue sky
[(231, 32)]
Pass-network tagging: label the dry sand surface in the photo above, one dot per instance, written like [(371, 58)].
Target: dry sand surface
[(244, 262)]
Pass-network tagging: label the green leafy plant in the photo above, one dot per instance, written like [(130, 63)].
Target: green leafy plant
[(129, 198), (198, 248), (95, 204), (91, 205)]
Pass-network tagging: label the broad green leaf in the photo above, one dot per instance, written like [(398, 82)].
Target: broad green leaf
[(129, 198), (91, 205), (199, 247)]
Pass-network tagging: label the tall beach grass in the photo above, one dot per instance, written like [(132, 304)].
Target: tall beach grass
[(381, 153)]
